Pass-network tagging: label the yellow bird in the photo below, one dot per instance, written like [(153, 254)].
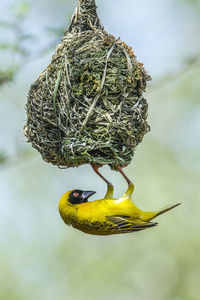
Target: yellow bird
[(108, 215)]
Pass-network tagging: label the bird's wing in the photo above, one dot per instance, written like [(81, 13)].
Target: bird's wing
[(111, 225), (128, 224)]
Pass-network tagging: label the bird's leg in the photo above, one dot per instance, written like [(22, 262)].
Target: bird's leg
[(130, 189), (109, 193), (110, 190)]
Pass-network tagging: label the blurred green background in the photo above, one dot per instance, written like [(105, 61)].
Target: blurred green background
[(41, 258)]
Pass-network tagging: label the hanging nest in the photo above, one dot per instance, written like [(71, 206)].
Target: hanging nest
[(88, 106)]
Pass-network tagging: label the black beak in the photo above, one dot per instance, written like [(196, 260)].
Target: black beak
[(86, 194)]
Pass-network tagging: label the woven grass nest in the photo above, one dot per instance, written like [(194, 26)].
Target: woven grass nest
[(88, 106)]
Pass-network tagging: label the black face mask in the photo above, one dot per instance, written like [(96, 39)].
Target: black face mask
[(79, 196)]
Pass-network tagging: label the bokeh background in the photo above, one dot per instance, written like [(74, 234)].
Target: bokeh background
[(41, 258)]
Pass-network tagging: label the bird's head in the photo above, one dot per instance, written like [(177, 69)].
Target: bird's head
[(78, 196)]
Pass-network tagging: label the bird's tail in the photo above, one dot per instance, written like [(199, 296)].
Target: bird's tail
[(148, 215), (164, 210)]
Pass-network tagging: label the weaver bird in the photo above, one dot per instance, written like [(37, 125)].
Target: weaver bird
[(108, 215)]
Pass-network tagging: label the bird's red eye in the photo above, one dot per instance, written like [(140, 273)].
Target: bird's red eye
[(75, 194)]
